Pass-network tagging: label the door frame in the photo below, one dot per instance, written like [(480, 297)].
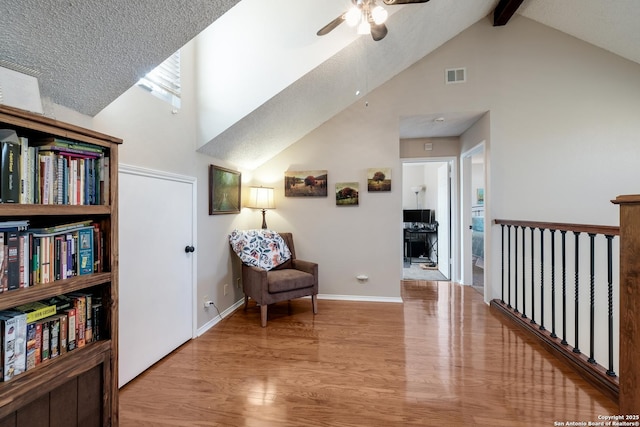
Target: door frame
[(465, 215), (156, 174), (454, 214)]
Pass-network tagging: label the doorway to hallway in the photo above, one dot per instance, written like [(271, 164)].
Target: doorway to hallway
[(426, 205)]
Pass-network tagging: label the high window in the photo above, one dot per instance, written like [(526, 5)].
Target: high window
[(164, 80)]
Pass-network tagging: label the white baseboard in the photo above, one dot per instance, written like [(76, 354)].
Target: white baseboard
[(363, 298), (211, 323)]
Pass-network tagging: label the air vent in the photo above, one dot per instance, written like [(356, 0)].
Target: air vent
[(455, 75)]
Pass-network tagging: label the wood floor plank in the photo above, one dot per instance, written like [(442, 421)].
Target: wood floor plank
[(441, 358)]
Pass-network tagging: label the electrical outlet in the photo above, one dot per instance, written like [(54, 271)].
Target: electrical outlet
[(238, 283), (205, 301), (226, 289)]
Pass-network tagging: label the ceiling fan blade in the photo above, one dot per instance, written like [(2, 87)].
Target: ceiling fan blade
[(378, 32), (331, 26), (403, 1)]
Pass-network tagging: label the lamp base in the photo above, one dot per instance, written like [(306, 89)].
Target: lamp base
[(264, 220)]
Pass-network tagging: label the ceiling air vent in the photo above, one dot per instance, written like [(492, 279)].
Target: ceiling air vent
[(455, 75)]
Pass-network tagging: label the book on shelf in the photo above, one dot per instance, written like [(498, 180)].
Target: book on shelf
[(71, 328), (97, 316), (80, 304), (13, 329), (52, 171), (54, 229), (44, 255), (54, 337), (3, 265), (31, 346), (98, 248), (14, 225), (85, 251), (63, 333), (24, 259), (38, 342), (63, 143), (46, 336), (10, 172), (9, 166), (12, 242), (37, 310)]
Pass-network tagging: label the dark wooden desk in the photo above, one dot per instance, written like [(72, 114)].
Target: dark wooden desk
[(425, 238)]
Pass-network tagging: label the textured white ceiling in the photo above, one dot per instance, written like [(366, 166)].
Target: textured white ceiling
[(88, 52), (613, 25)]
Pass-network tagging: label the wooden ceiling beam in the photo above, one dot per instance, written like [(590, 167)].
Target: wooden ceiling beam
[(504, 11)]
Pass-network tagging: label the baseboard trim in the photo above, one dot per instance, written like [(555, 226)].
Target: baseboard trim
[(363, 298), (211, 323)]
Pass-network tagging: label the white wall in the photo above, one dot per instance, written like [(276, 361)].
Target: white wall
[(564, 140), (155, 138), (420, 174)]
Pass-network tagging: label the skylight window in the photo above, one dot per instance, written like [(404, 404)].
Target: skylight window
[(164, 80)]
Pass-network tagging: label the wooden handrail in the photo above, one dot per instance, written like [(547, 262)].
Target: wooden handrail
[(607, 230)]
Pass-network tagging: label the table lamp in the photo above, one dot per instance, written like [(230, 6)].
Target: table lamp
[(261, 198)]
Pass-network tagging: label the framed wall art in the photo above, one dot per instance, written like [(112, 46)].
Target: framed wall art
[(347, 193), (310, 183), (379, 179), (224, 191)]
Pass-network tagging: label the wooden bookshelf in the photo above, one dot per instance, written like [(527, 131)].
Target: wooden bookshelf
[(79, 387)]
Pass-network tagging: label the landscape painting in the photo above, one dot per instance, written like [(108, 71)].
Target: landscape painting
[(379, 179), (310, 183), (224, 190), (347, 193)]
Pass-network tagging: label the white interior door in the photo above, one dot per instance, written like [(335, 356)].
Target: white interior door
[(156, 273)]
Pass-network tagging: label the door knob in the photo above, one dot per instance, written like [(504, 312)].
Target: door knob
[(188, 249)]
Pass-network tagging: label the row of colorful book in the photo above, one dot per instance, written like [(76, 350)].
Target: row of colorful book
[(33, 256), (52, 171), (39, 332)]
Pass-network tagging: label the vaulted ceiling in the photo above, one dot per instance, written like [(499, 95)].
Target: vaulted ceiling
[(88, 52)]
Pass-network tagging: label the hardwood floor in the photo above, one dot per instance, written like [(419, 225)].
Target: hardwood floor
[(440, 359)]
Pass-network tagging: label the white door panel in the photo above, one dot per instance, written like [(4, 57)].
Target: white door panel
[(156, 273)]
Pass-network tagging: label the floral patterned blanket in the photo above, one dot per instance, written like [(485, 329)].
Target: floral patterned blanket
[(265, 249)]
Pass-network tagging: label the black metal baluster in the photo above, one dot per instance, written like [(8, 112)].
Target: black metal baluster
[(542, 328), (515, 273), (502, 253), (533, 287), (564, 288), (509, 266), (610, 371), (592, 295), (576, 347), (553, 284), (524, 286)]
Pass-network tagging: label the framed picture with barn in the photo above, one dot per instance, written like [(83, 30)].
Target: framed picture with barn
[(379, 179), (347, 193), (224, 190), (309, 183)]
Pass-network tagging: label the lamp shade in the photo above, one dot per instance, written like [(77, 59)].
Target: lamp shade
[(261, 198)]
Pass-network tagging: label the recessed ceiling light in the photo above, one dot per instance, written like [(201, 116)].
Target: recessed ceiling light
[(439, 120)]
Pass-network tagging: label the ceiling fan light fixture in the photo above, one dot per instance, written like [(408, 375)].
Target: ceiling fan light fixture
[(352, 17), (379, 15), (364, 27)]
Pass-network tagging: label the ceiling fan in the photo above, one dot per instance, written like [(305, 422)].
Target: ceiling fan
[(367, 16)]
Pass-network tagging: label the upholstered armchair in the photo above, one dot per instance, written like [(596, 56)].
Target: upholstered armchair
[(291, 279)]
